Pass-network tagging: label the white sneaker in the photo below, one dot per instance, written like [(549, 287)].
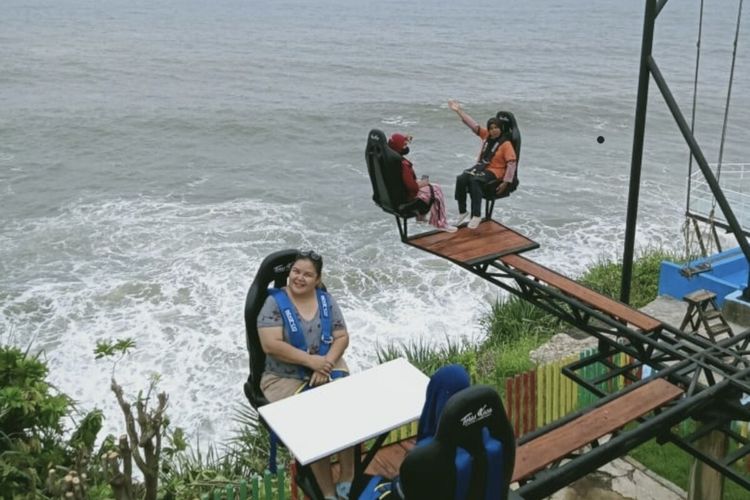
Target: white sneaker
[(448, 229), (462, 217), (474, 222)]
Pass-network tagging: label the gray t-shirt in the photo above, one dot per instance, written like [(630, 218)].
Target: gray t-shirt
[(270, 315)]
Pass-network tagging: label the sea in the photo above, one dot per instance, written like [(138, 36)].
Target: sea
[(152, 153)]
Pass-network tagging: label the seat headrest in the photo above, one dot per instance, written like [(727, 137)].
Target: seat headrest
[(469, 418), (509, 118), (384, 168), (467, 412), (444, 383), (274, 269)]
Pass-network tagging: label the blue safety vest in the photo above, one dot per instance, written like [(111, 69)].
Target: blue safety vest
[(294, 326)]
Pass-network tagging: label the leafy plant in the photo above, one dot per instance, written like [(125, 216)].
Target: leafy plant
[(429, 358), (141, 444), (32, 444), (514, 319), (119, 349)]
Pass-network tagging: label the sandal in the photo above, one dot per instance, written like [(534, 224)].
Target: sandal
[(343, 488)]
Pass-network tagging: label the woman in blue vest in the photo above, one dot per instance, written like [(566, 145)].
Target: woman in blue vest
[(303, 333)]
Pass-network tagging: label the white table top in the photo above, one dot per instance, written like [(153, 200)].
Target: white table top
[(348, 411)]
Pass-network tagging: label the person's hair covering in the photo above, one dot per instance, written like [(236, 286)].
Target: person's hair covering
[(494, 121), (447, 381), (397, 142)]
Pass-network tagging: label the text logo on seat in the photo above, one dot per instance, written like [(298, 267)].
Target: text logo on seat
[(292, 323), (474, 417)]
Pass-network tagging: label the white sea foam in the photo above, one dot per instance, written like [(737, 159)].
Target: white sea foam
[(174, 276)]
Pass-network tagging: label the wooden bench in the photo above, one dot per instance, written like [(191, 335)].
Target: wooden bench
[(560, 442), (537, 454), (611, 307)]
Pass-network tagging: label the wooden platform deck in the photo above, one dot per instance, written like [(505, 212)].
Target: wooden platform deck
[(486, 243)]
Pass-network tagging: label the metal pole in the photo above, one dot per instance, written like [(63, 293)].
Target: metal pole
[(644, 79)]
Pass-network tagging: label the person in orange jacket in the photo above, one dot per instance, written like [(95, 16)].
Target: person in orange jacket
[(496, 160)]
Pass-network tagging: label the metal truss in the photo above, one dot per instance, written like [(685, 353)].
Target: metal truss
[(715, 377)]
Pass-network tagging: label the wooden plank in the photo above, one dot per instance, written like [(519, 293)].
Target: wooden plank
[(532, 400), (612, 307), (535, 455), (388, 459), (699, 296), (473, 246), (464, 239), (492, 245)]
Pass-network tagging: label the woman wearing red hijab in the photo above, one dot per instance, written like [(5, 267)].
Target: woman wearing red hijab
[(421, 188)]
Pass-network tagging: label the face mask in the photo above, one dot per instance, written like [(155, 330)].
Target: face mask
[(405, 151)]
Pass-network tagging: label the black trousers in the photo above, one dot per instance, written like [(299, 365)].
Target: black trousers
[(473, 184)]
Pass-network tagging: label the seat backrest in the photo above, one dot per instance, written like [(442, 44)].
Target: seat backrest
[(514, 130), (274, 269), (471, 456), (444, 383), (384, 168), (515, 139)]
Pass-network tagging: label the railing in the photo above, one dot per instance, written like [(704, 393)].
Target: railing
[(734, 181)]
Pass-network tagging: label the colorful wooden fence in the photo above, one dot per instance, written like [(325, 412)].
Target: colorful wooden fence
[(543, 395), (268, 487)]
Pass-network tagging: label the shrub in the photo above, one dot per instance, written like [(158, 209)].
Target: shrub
[(605, 276), (515, 319), (429, 358), (32, 438)]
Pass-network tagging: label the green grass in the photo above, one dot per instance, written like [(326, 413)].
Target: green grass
[(428, 357), (515, 320), (670, 462), (605, 276)]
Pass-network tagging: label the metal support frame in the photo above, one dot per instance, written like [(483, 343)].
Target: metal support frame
[(715, 376), (666, 349), (726, 465), (489, 206), (402, 227), (648, 69)]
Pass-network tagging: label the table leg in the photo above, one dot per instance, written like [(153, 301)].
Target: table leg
[(361, 465)]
